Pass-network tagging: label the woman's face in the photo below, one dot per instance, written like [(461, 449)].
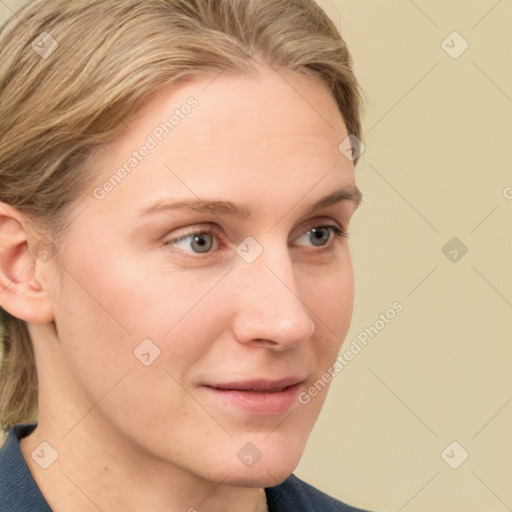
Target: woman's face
[(193, 349)]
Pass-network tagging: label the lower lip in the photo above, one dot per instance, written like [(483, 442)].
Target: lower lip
[(259, 403)]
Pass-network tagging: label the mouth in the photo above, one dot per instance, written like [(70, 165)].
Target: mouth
[(258, 397)]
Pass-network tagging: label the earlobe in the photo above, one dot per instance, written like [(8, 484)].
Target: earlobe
[(21, 292)]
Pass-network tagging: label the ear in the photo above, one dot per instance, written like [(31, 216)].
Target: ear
[(24, 263)]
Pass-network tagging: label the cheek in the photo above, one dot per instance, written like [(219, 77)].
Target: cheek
[(109, 307), (330, 299)]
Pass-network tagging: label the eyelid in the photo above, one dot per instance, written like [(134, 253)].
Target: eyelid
[(208, 229)]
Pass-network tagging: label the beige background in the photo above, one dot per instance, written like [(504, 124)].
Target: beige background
[(437, 165)]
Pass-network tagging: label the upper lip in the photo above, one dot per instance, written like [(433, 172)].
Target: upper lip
[(258, 384)]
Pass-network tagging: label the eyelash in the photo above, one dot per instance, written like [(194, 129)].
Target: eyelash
[(216, 231)]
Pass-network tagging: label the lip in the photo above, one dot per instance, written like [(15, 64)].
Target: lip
[(260, 397)]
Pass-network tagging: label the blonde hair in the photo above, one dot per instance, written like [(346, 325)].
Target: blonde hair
[(98, 63)]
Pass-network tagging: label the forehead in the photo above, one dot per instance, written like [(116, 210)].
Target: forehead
[(232, 111), (235, 134)]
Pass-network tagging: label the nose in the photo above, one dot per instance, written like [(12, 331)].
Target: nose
[(270, 310)]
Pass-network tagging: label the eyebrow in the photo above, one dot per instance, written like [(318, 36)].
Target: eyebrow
[(219, 207)]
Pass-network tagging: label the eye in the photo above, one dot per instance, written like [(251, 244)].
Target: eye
[(200, 241), (320, 235)]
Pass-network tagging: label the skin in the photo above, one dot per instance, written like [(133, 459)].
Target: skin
[(135, 437)]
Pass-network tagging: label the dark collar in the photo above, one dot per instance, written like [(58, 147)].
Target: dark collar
[(18, 491)]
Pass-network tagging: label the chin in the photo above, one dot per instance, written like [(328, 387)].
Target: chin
[(264, 476), (279, 458)]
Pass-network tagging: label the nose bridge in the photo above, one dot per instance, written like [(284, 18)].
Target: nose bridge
[(269, 306)]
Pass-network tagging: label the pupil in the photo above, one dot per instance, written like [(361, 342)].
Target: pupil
[(200, 240), (319, 236)]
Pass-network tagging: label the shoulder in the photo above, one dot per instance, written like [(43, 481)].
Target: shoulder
[(10, 452), (294, 495), (18, 491)]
